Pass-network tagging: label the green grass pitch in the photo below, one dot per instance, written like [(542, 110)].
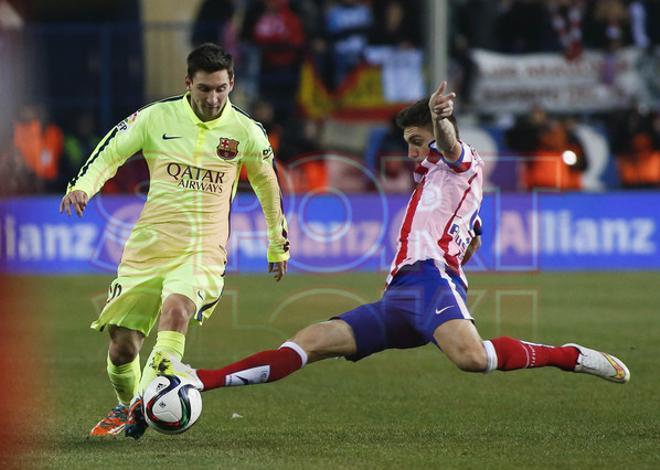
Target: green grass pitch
[(398, 409)]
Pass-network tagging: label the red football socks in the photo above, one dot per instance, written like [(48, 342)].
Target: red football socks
[(269, 366), (265, 366), (514, 354)]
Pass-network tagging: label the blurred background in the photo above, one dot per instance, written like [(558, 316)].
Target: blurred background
[(560, 98), (558, 94)]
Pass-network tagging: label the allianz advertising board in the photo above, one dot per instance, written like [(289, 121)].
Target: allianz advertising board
[(335, 232)]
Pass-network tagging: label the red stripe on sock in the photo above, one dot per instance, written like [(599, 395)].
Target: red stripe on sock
[(514, 354), (282, 362)]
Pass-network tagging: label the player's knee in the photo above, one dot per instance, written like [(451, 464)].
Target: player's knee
[(125, 345), (317, 340), (123, 352), (310, 339), (175, 316), (326, 339), (471, 360)]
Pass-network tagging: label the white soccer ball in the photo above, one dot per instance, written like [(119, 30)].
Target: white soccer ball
[(171, 407)]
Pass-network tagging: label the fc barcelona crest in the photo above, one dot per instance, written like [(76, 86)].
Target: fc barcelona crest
[(227, 148)]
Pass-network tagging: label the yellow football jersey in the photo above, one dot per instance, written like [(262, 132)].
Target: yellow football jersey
[(194, 168)]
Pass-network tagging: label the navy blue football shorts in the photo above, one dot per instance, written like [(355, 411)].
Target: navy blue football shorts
[(420, 298)]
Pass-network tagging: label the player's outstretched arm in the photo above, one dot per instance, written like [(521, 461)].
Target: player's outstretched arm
[(441, 106), (118, 145), (76, 199)]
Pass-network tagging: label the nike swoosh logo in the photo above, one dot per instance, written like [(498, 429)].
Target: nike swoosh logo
[(438, 312), (245, 381), (169, 137), (619, 372)]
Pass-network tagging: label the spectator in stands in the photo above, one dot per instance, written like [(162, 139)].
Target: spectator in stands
[(541, 26), (280, 34), (525, 26), (78, 145), (263, 112), (568, 26), (302, 156), (522, 138), (347, 26), (635, 138), (296, 145), (566, 18), (80, 141), (396, 24), (212, 22), (640, 167), (468, 31), (553, 156), (609, 30), (393, 167), (312, 15), (39, 145), (607, 26), (394, 176), (638, 13), (16, 177), (394, 46)]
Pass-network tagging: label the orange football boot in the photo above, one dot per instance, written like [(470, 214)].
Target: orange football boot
[(113, 423)]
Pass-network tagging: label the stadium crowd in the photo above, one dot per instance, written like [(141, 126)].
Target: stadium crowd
[(276, 41)]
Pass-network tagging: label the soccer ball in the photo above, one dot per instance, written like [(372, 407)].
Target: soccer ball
[(170, 406)]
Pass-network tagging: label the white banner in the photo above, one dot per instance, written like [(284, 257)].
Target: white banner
[(595, 81), (403, 79)]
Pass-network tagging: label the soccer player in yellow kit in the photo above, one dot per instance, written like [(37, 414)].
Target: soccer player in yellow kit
[(174, 260)]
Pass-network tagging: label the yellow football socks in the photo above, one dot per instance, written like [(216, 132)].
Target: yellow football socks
[(170, 342), (125, 379)]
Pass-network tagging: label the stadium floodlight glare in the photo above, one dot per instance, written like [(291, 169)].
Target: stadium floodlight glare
[(569, 157)]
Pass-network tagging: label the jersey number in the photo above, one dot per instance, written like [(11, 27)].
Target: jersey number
[(114, 292)]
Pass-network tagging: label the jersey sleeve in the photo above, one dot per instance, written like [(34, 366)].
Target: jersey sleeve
[(259, 163), (466, 161), (476, 228), (123, 141)]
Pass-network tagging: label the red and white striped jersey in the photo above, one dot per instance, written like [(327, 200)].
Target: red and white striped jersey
[(442, 216)]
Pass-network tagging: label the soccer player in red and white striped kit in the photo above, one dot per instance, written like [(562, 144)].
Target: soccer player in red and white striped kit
[(425, 298)]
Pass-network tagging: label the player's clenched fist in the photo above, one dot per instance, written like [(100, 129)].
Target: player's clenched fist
[(77, 199), (441, 105)]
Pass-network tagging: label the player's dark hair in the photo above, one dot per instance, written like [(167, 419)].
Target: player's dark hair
[(419, 115), (210, 58)]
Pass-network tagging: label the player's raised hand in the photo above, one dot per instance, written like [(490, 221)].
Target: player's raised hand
[(279, 269), (77, 199), (441, 104)]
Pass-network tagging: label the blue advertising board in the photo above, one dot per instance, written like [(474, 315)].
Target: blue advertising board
[(335, 232)]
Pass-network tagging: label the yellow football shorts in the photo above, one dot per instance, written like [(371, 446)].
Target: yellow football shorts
[(134, 301)]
